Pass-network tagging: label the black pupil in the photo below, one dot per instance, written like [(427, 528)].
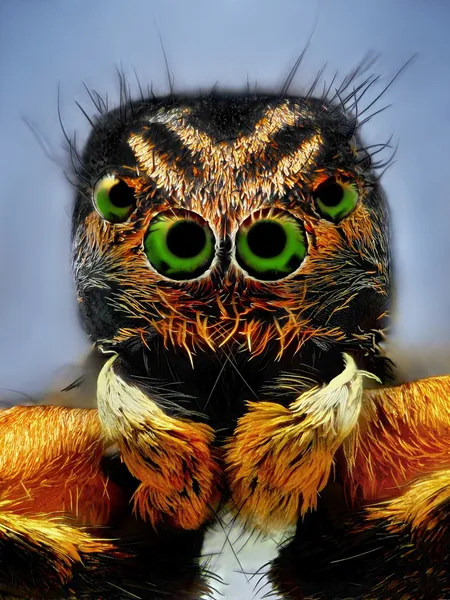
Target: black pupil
[(186, 239), (121, 195), (266, 239), (330, 193)]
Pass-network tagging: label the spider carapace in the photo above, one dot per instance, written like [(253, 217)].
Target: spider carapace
[(232, 267)]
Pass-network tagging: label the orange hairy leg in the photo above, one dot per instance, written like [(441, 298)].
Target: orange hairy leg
[(50, 482), (40, 553), (392, 541), (171, 457), (50, 462), (399, 470), (404, 433)]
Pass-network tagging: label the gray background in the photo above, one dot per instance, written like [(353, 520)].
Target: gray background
[(46, 43)]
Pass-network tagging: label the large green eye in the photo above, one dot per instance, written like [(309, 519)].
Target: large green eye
[(179, 246), (114, 199), (335, 199), (271, 248)]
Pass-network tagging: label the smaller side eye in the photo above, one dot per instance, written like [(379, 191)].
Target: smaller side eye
[(114, 199), (335, 199)]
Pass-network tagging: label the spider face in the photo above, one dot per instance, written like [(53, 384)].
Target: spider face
[(230, 228)]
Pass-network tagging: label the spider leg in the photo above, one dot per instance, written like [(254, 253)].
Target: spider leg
[(51, 483), (51, 463), (392, 542), (66, 528), (404, 434)]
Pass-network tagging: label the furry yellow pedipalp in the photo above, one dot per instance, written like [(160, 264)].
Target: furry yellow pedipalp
[(170, 456), (280, 458)]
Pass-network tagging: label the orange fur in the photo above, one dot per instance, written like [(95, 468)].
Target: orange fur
[(183, 483), (418, 507), (273, 478), (50, 463), (53, 547), (404, 433)]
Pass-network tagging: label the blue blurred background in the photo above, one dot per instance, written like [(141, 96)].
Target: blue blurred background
[(49, 43)]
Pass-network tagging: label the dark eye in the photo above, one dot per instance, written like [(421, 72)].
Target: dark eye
[(335, 199), (114, 199), (271, 248), (179, 247)]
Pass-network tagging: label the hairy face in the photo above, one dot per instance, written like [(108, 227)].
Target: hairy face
[(242, 225)]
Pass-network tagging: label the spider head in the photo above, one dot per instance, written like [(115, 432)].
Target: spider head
[(243, 224)]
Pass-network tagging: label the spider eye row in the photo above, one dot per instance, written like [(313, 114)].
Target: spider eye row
[(181, 246)]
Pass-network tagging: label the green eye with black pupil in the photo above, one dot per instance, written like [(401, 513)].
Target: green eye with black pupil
[(271, 248), (179, 247), (114, 199), (335, 200)]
